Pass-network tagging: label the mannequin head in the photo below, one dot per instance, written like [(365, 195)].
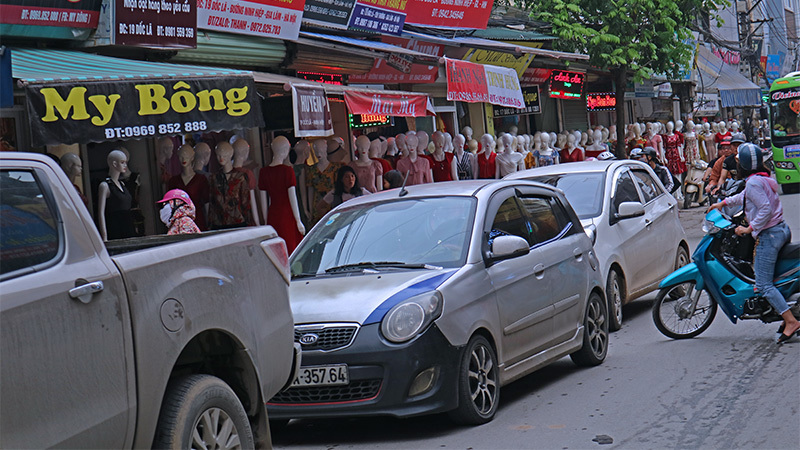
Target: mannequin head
[(375, 148), (117, 163), (280, 150), (202, 154), (472, 146), (507, 143), (362, 147), (448, 142), (651, 129), (321, 148), (302, 149), (467, 132), (597, 137), (570, 141), (706, 127), (723, 127), (520, 143), (72, 165), (487, 142), (562, 140), (186, 157), (422, 142), (224, 152), (513, 130), (537, 141), (391, 146), (241, 152), (164, 146), (402, 145), (679, 125), (438, 141), (670, 127), (606, 132), (690, 126), (584, 138), (734, 126), (412, 143), (458, 143)]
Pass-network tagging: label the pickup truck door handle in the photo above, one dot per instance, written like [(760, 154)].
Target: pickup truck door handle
[(538, 270), (84, 292)]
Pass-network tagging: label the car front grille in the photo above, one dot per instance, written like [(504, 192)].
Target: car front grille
[(355, 391), (328, 336)]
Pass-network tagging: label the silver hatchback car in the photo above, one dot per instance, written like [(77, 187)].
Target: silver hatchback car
[(426, 300)]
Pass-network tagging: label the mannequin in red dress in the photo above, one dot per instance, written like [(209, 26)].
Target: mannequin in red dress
[(442, 163), (194, 184), (277, 184), (486, 158), (571, 153)]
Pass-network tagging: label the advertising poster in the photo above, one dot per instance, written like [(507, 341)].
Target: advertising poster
[(51, 13), (312, 114), (266, 18), (482, 83), (156, 24), (532, 104)]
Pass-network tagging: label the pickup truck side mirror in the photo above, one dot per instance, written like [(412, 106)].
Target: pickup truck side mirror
[(628, 210), (507, 247)]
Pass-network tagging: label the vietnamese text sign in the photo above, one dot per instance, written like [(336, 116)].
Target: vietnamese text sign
[(159, 24), (267, 18), (312, 114), (386, 104), (476, 83), (384, 73), (51, 13), (464, 14), (378, 20), (532, 104), (518, 63), (601, 101), (78, 113), (566, 85), (330, 12), (706, 104)]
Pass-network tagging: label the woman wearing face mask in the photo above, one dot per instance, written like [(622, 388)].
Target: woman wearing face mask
[(178, 213)]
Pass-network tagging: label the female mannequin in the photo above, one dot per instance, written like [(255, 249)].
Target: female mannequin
[(561, 141), (229, 200), (73, 167), (532, 158), (301, 150), (114, 201), (710, 141), (597, 145), (634, 138), (241, 154), (422, 142), (369, 172), (466, 163), (418, 169), (192, 183), (391, 152), (722, 133), (202, 155), (610, 137), (571, 153), (320, 179), (376, 151), (508, 161), (487, 168), (547, 156), (701, 145), (443, 163), (691, 150), (467, 132), (164, 148), (335, 152), (278, 197), (673, 150), (653, 139), (584, 140)]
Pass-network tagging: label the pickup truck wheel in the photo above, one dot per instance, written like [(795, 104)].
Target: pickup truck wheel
[(201, 411)]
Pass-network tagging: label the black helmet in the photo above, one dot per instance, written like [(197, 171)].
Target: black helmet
[(650, 153), (738, 138), (750, 156)]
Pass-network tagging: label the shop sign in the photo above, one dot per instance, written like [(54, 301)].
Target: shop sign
[(773, 69), (369, 120), (535, 76), (409, 105), (312, 114), (519, 64), (267, 18), (476, 83), (79, 113), (158, 24), (319, 77), (706, 104), (566, 85), (51, 13), (461, 14), (532, 104), (334, 13), (378, 20), (601, 101), (400, 62), (383, 73)]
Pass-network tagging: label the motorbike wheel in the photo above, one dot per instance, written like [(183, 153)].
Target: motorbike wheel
[(687, 200), (673, 315)]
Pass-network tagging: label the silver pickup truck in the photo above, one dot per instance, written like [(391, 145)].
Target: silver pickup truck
[(165, 341)]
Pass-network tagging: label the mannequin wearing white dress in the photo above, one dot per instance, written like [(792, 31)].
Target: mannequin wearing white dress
[(507, 160)]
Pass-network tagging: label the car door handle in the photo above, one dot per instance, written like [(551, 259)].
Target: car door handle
[(84, 292), (647, 222), (538, 270), (577, 253)]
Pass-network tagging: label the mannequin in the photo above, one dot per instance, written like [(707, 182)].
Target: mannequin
[(561, 141), (508, 161), (467, 132), (376, 152), (391, 152), (114, 201), (241, 155), (722, 133), (634, 138), (571, 153), (319, 180), (73, 167), (734, 126), (653, 139), (422, 144), (709, 142), (202, 155), (610, 137), (164, 149), (194, 184), (418, 168), (448, 142), (673, 151), (229, 200), (277, 185), (584, 140), (597, 145), (443, 163), (691, 150), (336, 151), (487, 167), (302, 150), (547, 156), (369, 172), (466, 163)]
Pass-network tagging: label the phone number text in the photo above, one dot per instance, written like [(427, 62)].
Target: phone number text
[(152, 130)]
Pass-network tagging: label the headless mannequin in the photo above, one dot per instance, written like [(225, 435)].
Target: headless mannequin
[(508, 160), (439, 157), (202, 155), (419, 171), (369, 172), (114, 209), (241, 155), (73, 167)]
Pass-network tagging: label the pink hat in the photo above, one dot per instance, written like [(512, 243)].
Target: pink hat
[(176, 194)]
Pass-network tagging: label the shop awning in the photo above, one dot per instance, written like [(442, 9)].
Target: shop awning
[(372, 46), (712, 74), (499, 46), (76, 97)]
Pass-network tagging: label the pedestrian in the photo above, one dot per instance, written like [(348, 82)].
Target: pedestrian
[(764, 213), (178, 213), (392, 179), (345, 187), (650, 156)]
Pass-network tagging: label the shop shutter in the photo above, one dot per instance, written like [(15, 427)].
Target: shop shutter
[(575, 115), (234, 50)]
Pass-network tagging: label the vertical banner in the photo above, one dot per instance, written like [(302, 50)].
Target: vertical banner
[(312, 114), (475, 83), (268, 18), (157, 24)]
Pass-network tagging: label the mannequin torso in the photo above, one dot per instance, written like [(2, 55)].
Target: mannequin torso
[(114, 201), (277, 184)]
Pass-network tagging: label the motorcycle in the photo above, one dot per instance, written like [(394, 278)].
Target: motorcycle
[(722, 269), (694, 185), (730, 187)]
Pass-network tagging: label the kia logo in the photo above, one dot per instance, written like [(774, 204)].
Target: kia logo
[(308, 339)]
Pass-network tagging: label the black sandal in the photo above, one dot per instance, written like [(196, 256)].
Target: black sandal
[(783, 337), (781, 328)]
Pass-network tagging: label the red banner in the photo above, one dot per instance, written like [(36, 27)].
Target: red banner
[(51, 13), (267, 18), (405, 105), (483, 83), (382, 73), (466, 14)]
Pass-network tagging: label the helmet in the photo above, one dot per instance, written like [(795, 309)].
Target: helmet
[(636, 153), (606, 156), (650, 152), (738, 138), (750, 156), (176, 194)]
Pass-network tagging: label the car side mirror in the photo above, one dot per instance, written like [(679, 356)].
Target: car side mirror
[(507, 247), (628, 210)]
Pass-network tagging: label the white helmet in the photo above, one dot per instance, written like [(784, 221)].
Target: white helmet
[(605, 156)]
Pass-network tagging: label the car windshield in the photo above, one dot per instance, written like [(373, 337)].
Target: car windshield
[(785, 117), (407, 233), (584, 190)]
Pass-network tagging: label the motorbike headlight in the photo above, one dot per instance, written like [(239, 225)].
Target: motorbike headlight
[(709, 227), (406, 319)]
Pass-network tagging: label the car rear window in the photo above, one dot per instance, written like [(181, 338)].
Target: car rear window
[(584, 190)]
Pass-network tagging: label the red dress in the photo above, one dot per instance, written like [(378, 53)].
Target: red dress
[(198, 191), (673, 154), (719, 137), (575, 156), (276, 181), (442, 169), (486, 167)]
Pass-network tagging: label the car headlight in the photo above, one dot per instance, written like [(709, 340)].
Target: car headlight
[(406, 319)]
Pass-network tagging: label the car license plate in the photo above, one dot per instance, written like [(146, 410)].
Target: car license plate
[(330, 375), (791, 151)]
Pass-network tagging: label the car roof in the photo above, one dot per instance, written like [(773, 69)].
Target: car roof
[(577, 167)]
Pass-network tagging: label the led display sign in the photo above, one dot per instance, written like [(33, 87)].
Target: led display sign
[(601, 101), (566, 85), (369, 120), (319, 77)]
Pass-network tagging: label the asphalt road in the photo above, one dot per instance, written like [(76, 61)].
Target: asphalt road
[(730, 387)]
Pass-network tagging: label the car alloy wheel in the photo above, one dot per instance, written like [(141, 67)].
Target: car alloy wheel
[(614, 290), (478, 384)]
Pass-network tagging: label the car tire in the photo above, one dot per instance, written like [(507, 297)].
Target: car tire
[(682, 257), (615, 291), (202, 411), (595, 334), (478, 384)]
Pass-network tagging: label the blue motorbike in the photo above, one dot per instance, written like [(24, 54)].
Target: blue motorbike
[(722, 274)]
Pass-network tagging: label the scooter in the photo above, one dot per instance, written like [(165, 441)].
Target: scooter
[(693, 184), (722, 270)]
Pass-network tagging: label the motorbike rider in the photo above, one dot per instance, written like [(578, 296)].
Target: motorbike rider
[(650, 156), (715, 166), (729, 164), (764, 213)]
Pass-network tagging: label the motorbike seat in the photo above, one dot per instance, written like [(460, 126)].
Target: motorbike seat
[(790, 251)]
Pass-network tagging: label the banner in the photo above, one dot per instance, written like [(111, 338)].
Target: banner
[(518, 63), (410, 105), (532, 104), (535, 76), (601, 101), (51, 13), (477, 83), (78, 113), (460, 14), (383, 73), (266, 18), (168, 24), (376, 20), (312, 114)]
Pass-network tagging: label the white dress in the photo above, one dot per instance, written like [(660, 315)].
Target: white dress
[(508, 163)]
